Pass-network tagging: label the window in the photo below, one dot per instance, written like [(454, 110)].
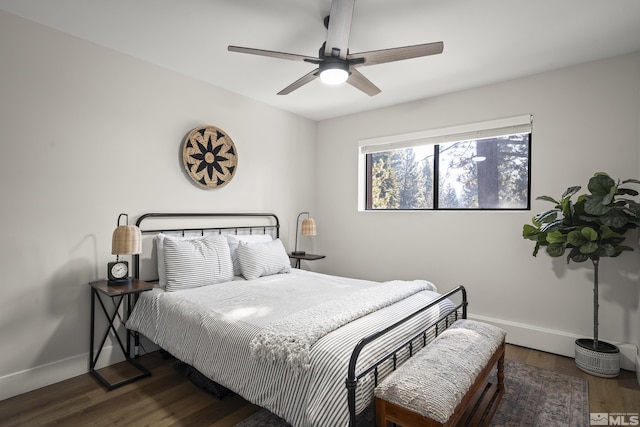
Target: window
[(478, 166)]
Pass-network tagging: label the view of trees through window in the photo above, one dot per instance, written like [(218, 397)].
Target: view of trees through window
[(491, 173)]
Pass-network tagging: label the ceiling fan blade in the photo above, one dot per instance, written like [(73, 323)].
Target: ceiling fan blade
[(357, 80), (300, 82), (273, 54), (339, 28), (397, 54)]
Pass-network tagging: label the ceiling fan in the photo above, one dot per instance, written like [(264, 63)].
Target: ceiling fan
[(335, 63)]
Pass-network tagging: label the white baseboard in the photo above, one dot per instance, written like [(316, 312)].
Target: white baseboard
[(557, 342), (51, 373)]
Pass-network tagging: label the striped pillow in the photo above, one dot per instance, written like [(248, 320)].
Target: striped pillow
[(190, 263), (159, 242), (262, 259), (235, 239)]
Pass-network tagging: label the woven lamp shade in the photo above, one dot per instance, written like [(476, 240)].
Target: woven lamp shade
[(308, 227), (127, 240)]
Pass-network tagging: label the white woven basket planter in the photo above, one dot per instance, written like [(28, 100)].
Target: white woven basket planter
[(604, 362)]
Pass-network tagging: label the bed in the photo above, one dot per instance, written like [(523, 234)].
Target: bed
[(309, 347)]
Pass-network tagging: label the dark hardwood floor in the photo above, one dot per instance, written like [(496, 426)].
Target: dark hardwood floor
[(168, 399)]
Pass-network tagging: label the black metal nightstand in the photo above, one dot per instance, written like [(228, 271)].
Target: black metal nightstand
[(306, 257), (119, 294)]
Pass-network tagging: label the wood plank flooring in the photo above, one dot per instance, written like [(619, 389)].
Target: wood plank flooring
[(168, 399)]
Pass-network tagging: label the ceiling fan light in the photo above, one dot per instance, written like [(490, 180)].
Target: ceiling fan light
[(334, 76), (334, 71)]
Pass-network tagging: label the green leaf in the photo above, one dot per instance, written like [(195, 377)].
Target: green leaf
[(615, 218), (589, 248), (556, 237), (576, 256), (635, 181), (590, 234), (548, 199), (556, 249), (611, 197), (607, 250), (608, 233), (576, 238), (554, 225), (567, 208), (578, 207), (601, 184), (530, 232), (627, 191), (621, 249), (542, 239), (634, 207), (571, 191), (595, 205), (545, 217), (591, 219)]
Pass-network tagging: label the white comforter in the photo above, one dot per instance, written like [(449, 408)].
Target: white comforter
[(212, 327)]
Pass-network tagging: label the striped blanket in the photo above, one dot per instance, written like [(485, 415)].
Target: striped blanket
[(212, 327)]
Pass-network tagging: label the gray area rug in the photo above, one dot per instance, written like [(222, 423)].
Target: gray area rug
[(534, 397)]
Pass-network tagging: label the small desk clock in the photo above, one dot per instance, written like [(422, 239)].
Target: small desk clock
[(118, 272)]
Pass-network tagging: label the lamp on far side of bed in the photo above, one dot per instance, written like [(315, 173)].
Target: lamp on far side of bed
[(127, 240), (308, 228)]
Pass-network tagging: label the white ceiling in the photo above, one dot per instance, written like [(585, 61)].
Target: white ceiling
[(485, 41)]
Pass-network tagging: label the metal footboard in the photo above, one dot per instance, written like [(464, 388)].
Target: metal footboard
[(444, 321)]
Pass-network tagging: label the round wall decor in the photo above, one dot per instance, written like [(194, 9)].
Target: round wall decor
[(209, 157)]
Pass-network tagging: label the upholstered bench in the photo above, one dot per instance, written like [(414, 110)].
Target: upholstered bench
[(446, 383)]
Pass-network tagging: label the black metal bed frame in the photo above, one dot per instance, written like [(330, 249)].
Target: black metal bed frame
[(353, 375)]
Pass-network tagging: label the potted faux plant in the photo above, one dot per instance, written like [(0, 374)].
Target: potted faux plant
[(591, 228)]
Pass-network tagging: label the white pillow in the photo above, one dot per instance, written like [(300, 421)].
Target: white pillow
[(262, 259), (235, 239), (159, 242), (201, 261)]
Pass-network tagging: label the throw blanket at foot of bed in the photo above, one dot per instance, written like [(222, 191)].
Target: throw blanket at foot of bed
[(290, 339)]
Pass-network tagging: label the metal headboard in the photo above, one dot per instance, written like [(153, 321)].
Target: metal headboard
[(261, 223)]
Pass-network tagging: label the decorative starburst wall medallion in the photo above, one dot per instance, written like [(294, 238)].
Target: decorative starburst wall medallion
[(209, 157)]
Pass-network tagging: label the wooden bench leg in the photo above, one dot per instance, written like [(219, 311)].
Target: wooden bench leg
[(501, 372), (381, 413), (485, 403)]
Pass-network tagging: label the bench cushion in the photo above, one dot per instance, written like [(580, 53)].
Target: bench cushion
[(434, 381)]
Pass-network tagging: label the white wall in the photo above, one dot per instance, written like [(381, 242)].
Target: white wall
[(85, 134), (585, 120)]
